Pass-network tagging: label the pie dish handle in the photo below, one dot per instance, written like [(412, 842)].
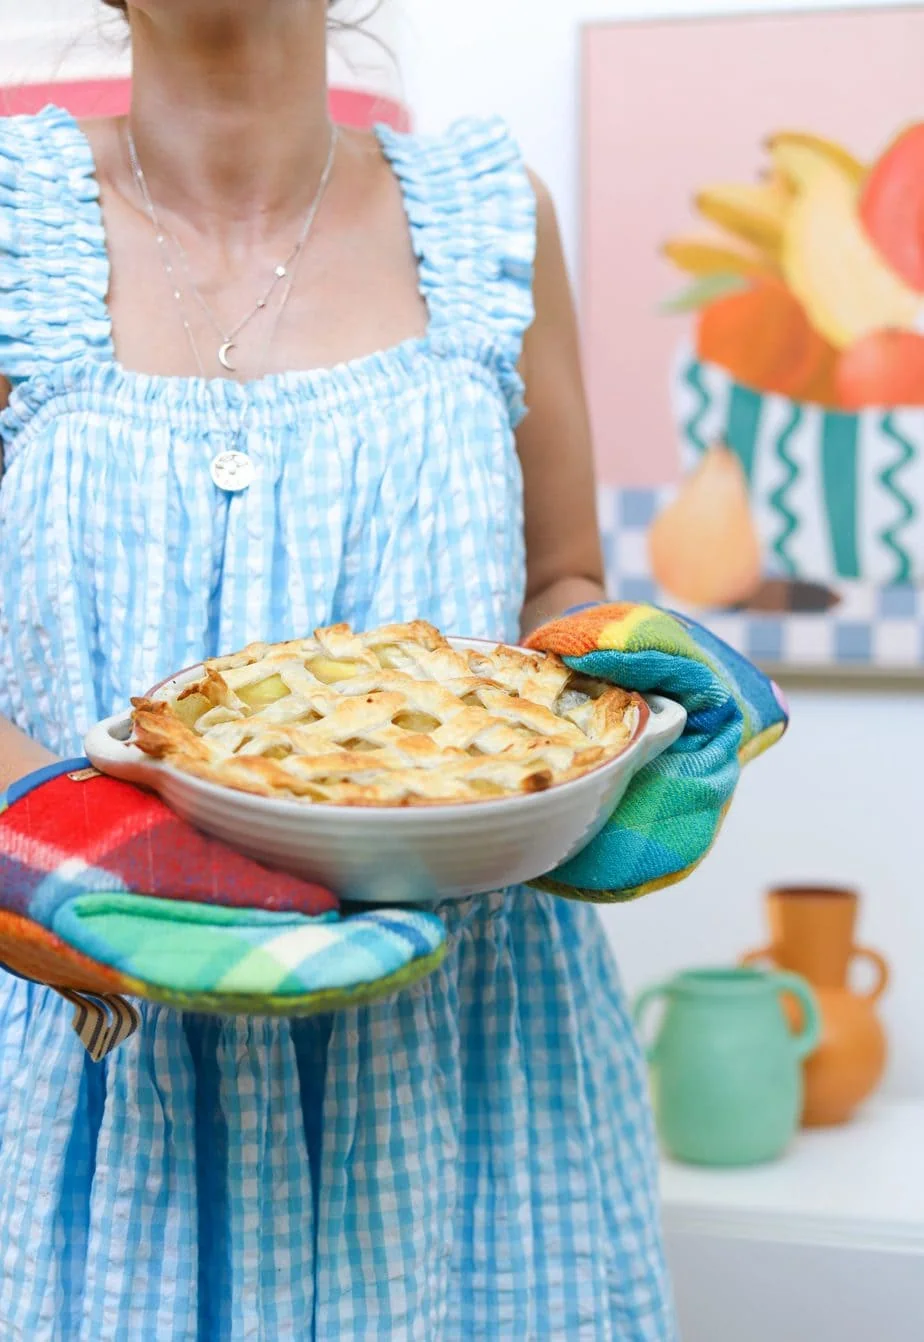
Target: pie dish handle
[(109, 749), (665, 725)]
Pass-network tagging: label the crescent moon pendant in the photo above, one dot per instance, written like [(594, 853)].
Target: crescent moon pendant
[(224, 356)]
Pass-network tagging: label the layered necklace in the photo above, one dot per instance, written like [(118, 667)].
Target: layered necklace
[(232, 470), (283, 273)]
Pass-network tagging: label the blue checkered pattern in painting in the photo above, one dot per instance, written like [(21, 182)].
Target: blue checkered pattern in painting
[(470, 1159), (872, 629)]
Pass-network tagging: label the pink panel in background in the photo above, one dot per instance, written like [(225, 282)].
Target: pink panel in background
[(111, 97)]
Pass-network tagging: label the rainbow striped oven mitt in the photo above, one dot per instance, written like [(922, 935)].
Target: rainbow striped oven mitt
[(107, 895), (673, 811)]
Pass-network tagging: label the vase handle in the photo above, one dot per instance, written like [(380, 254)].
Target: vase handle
[(808, 1040), (880, 966), (640, 1009), (764, 956)]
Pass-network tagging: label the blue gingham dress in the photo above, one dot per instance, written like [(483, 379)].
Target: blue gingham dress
[(470, 1160)]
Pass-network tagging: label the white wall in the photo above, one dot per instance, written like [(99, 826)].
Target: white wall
[(46, 40), (842, 799), (60, 39)]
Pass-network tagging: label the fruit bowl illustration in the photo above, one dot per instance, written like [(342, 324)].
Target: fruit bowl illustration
[(800, 403)]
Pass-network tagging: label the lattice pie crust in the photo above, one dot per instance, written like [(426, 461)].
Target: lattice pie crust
[(395, 717)]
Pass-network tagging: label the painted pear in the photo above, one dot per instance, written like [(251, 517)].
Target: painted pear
[(704, 548)]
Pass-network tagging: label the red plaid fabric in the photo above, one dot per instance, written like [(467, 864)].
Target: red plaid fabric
[(79, 832)]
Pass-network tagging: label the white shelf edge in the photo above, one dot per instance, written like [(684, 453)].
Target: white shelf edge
[(884, 1148), (809, 1231)]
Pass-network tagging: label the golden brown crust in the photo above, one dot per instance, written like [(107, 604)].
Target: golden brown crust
[(393, 717)]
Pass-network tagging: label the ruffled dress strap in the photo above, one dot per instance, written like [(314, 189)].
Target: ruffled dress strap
[(54, 270), (472, 214)]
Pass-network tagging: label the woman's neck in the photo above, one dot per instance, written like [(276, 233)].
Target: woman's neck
[(230, 111)]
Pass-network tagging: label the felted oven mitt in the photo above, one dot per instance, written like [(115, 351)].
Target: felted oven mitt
[(106, 894), (674, 808)]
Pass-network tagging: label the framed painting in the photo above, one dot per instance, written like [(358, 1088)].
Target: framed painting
[(753, 316)]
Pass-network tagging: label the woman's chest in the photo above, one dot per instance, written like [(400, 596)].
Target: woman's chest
[(241, 303), (342, 306)]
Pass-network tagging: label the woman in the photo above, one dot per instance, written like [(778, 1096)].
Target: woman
[(471, 1159)]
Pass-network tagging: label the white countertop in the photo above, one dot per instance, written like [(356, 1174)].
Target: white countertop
[(859, 1186)]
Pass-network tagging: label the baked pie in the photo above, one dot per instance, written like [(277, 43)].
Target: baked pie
[(395, 717)]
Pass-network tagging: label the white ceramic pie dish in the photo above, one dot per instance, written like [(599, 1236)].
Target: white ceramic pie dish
[(389, 855)]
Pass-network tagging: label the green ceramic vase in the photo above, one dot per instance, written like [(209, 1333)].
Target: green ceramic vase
[(726, 1071)]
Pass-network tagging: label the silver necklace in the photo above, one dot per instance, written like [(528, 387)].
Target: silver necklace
[(283, 271), (232, 470)]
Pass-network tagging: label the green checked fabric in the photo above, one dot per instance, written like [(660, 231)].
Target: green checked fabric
[(670, 817), (107, 895), (200, 956)]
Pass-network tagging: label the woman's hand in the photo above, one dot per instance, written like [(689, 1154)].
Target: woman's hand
[(561, 597), (564, 558)]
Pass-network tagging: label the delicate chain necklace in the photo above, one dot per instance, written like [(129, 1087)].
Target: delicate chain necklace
[(283, 271), (232, 470)]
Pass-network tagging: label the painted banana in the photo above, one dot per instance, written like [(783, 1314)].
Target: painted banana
[(702, 256), (755, 213), (788, 147), (829, 263)]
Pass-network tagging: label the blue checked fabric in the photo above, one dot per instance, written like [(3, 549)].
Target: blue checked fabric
[(472, 1158)]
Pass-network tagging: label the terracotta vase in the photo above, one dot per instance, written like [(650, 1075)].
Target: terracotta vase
[(812, 934)]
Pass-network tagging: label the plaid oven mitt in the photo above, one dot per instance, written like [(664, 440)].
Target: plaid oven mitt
[(106, 894), (672, 813)]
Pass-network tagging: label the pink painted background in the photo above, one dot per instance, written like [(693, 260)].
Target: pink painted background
[(674, 106)]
